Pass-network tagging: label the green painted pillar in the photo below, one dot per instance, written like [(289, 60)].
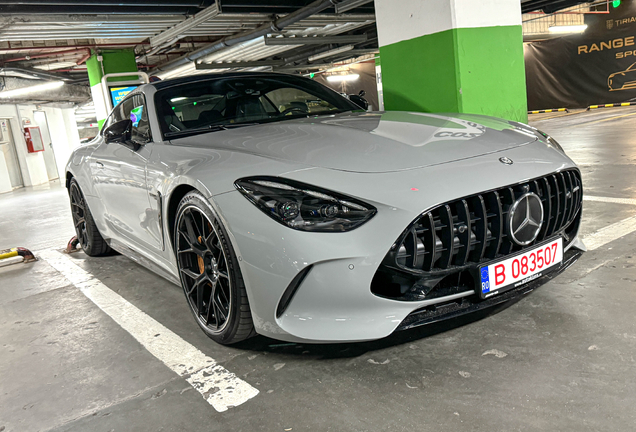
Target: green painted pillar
[(461, 56), (106, 62)]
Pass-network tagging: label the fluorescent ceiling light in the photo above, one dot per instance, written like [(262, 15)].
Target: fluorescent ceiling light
[(331, 52), (567, 28), (337, 78), (177, 99), (33, 89)]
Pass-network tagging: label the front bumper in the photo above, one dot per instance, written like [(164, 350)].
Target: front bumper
[(334, 302), (473, 303)]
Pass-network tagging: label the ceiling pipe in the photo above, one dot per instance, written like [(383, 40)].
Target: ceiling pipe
[(84, 57), (48, 48), (49, 54), (31, 74), (271, 27)]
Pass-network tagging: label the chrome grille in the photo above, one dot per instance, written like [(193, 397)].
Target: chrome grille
[(472, 230)]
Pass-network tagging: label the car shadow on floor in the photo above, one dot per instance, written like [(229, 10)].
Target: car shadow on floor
[(355, 349)]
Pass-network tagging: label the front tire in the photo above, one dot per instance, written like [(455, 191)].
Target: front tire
[(87, 233), (209, 272)]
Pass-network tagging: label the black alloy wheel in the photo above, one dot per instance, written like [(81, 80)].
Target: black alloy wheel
[(209, 273), (86, 230)]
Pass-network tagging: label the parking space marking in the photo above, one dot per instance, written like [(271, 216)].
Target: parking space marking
[(629, 201), (220, 387), (610, 233)]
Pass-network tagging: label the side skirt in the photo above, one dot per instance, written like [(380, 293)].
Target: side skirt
[(143, 261)]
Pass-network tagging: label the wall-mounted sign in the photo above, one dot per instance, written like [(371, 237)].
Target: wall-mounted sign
[(595, 67), (26, 121)]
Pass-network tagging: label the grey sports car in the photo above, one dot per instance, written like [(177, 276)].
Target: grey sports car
[(284, 209)]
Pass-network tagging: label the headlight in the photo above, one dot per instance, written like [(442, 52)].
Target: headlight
[(304, 207)]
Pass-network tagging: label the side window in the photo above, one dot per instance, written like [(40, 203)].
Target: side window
[(134, 108)]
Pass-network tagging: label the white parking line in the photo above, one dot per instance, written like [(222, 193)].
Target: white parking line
[(629, 201), (610, 233), (220, 387)]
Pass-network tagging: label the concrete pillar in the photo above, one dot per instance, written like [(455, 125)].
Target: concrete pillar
[(106, 62), (461, 56)]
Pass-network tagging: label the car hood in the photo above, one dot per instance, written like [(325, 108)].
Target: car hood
[(370, 142)]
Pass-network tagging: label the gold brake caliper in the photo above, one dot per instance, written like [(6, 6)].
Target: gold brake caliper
[(200, 260)]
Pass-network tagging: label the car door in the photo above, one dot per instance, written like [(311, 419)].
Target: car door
[(120, 180)]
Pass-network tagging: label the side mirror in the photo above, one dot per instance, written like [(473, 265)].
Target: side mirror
[(362, 93), (121, 133)]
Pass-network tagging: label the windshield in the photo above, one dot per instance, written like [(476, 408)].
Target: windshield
[(243, 100)]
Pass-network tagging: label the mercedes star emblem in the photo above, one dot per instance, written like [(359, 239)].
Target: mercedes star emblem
[(505, 160), (525, 218)]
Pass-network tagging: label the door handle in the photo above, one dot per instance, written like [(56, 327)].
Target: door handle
[(99, 165)]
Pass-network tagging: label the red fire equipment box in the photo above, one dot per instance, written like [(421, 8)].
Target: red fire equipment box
[(33, 139)]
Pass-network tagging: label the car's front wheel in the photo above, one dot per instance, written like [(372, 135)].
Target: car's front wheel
[(209, 272)]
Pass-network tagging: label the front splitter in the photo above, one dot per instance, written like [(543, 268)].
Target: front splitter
[(473, 303)]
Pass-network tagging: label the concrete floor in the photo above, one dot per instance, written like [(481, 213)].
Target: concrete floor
[(565, 354)]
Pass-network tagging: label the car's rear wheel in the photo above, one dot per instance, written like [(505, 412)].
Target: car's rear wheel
[(209, 272), (87, 233)]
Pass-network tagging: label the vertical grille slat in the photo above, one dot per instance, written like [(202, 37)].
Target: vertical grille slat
[(569, 197), (429, 241), (463, 216), (472, 230), (547, 208), (413, 241), (447, 236), (508, 198), (496, 224), (578, 189), (556, 205), (480, 228), (562, 201)]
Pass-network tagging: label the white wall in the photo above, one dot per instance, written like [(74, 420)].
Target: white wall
[(64, 136), (5, 180), (399, 20), (31, 164)]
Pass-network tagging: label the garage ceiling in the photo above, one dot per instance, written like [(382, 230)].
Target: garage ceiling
[(44, 39), (548, 6), (57, 35)]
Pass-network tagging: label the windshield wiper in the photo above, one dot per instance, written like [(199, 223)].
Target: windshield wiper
[(209, 128), (331, 112)]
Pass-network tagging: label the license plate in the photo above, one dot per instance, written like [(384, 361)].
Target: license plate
[(520, 269)]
